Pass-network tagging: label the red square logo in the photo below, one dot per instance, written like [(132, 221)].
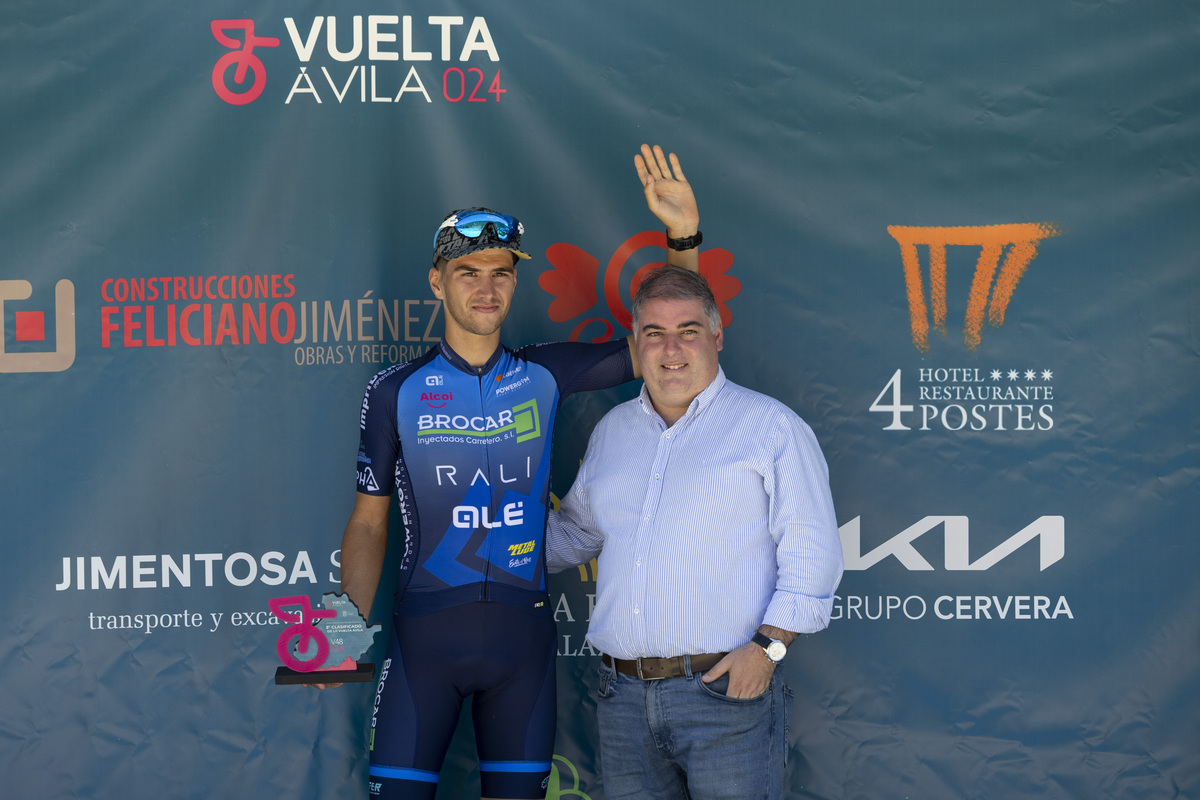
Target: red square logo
[(31, 326)]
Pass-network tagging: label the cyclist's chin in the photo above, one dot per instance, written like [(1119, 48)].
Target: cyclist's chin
[(485, 323)]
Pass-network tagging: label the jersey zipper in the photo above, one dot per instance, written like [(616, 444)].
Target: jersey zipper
[(487, 458)]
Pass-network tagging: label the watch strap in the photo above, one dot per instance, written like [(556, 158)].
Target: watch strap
[(761, 639), (687, 242)]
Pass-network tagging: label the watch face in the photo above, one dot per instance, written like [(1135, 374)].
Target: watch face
[(776, 651)]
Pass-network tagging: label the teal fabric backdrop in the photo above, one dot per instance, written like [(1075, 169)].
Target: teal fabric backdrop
[(959, 239)]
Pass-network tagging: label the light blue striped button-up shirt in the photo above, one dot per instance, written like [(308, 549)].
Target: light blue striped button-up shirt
[(705, 530)]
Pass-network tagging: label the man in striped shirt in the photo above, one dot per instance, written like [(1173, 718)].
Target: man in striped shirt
[(709, 507)]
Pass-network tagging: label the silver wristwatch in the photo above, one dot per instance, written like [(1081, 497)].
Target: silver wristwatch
[(774, 648)]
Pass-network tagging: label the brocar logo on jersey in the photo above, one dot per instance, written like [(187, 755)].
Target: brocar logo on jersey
[(521, 422)]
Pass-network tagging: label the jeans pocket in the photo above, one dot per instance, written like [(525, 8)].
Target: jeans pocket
[(607, 684), (719, 689)]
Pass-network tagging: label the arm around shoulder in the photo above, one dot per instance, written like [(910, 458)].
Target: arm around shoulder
[(572, 536)]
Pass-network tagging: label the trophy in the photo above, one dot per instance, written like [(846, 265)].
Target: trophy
[(322, 645)]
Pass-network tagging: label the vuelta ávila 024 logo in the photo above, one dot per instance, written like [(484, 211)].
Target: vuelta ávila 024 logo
[(989, 397), (379, 58)]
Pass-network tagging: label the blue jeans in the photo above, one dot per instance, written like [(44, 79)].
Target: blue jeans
[(682, 738)]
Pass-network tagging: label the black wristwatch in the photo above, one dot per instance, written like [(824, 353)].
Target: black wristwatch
[(774, 648), (686, 243)]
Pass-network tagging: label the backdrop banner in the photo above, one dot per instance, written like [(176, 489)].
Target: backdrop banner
[(959, 239)]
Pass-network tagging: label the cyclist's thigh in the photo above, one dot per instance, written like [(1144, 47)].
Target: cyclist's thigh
[(515, 716), (416, 710)]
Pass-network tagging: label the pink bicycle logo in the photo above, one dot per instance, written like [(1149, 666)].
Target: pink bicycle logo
[(304, 630), (243, 56)]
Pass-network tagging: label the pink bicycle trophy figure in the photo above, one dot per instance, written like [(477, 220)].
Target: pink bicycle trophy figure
[(304, 629)]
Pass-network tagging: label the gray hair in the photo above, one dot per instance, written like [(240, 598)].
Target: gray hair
[(676, 283)]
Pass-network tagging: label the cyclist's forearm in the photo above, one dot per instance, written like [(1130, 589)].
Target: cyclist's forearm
[(364, 543)]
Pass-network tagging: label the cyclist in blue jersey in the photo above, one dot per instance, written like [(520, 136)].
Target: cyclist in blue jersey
[(462, 435)]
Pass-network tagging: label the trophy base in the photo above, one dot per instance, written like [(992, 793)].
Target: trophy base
[(362, 673)]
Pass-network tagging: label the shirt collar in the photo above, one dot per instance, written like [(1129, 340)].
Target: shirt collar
[(460, 363), (699, 403)]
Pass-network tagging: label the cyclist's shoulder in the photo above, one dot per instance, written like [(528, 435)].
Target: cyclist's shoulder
[(559, 355), (397, 374)]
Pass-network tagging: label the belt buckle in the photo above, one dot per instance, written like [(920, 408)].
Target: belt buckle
[(643, 677)]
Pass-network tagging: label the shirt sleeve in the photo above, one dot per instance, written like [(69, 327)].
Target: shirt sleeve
[(379, 438), (804, 527), (572, 536)]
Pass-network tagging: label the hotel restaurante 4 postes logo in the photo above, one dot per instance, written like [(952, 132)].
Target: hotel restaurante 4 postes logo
[(984, 397)]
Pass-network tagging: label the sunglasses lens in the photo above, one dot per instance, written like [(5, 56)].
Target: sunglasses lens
[(474, 227)]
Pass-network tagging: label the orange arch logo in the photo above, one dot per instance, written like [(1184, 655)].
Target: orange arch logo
[(1005, 253)]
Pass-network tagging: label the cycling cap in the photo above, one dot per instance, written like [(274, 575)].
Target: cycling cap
[(469, 230)]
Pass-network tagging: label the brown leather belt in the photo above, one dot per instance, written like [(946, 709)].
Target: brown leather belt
[(653, 669)]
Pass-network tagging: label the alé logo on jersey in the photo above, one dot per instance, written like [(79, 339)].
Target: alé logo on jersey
[(521, 422), (573, 283), (433, 396), (512, 515)]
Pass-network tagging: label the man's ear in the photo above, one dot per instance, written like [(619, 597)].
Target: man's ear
[(435, 282)]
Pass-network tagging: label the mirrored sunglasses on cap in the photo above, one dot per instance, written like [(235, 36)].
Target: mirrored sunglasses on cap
[(472, 224)]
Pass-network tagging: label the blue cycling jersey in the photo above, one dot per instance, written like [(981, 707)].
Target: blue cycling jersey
[(468, 451)]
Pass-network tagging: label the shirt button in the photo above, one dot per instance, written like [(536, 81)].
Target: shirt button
[(657, 477), (637, 611)]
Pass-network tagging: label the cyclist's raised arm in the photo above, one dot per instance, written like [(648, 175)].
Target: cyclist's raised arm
[(670, 197)]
